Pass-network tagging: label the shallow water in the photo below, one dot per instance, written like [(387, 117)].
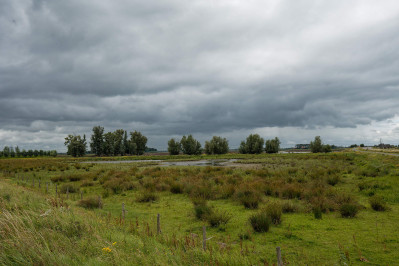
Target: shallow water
[(179, 163)]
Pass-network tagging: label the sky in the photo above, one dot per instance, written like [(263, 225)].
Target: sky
[(168, 68)]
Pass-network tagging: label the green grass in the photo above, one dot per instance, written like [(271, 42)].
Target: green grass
[(305, 181)]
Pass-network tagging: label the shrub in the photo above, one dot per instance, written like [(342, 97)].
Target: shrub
[(348, 210), (176, 188), (87, 183), (274, 211), (218, 218), (249, 198), (60, 178), (378, 203), (119, 184), (202, 210), (147, 196), (317, 213), (71, 188), (74, 178), (260, 222), (90, 203), (333, 180), (289, 207)]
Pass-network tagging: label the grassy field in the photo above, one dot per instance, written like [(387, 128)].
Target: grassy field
[(324, 209)]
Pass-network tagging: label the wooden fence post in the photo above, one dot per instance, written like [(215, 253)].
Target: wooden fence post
[(99, 202), (158, 224), (204, 237), (279, 260), (123, 211)]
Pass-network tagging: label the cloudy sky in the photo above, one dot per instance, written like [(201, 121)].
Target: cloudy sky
[(293, 69)]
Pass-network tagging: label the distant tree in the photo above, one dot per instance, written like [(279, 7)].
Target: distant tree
[(118, 142), (30, 153), (272, 145), (17, 151), (108, 144), (6, 151), (253, 144), (126, 145), (76, 145), (41, 153), (217, 145), (138, 143), (24, 153), (316, 145), (326, 148), (35, 153), (1, 153), (362, 145), (173, 147), (12, 152), (190, 146), (53, 153), (97, 140)]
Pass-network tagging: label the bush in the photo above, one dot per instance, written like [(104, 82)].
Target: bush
[(90, 203), (260, 222), (71, 188), (147, 196), (318, 214), (333, 180), (218, 218), (119, 184), (249, 198), (176, 188), (378, 203), (201, 209), (274, 211), (348, 210), (289, 207)]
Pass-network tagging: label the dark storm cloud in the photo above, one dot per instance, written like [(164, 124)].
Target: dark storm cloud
[(176, 67)]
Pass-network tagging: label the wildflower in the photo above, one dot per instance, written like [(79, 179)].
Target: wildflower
[(114, 243), (107, 250)]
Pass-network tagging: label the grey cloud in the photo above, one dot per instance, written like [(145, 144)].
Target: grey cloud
[(177, 67)]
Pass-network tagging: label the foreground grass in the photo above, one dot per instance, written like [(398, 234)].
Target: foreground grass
[(38, 228)]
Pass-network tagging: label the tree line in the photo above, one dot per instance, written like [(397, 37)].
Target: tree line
[(11, 152), (107, 144), (121, 143), (254, 144)]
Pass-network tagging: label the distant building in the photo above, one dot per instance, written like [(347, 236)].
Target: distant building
[(385, 146), (302, 146)]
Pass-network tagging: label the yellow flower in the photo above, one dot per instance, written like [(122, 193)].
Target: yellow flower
[(107, 250), (114, 243)]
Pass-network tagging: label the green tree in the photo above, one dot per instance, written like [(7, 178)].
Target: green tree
[(316, 145), (17, 151), (272, 145), (253, 144), (173, 147), (190, 146), (138, 143), (97, 140), (12, 152), (76, 145), (118, 142), (126, 145), (6, 151), (326, 148), (108, 144), (217, 145)]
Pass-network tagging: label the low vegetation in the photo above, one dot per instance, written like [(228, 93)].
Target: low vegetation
[(319, 208)]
